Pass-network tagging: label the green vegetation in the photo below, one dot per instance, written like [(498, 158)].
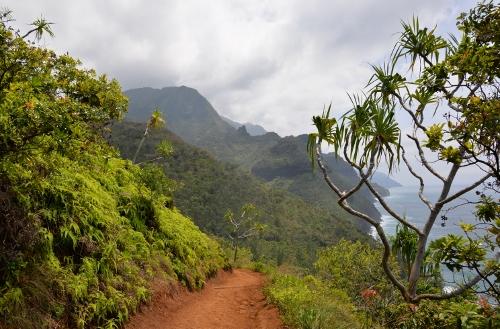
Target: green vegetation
[(83, 231), (243, 226), (281, 162), (206, 188), (405, 292), (451, 95), (349, 290), (309, 303)]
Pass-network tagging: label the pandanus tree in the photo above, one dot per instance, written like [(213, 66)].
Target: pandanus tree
[(449, 89), (155, 121)]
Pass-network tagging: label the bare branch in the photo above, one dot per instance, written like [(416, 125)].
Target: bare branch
[(411, 113), (464, 190), (456, 292), (332, 186), (453, 293), (424, 161), (421, 182), (364, 179)]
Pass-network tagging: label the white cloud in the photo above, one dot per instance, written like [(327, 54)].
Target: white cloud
[(274, 63)]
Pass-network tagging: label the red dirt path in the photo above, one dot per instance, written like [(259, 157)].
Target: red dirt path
[(229, 301)]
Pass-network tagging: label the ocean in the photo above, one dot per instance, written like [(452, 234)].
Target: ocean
[(405, 201)]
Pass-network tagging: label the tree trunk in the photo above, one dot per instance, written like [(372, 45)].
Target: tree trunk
[(235, 253), (140, 144)]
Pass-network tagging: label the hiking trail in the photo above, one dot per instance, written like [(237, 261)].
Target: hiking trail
[(229, 301)]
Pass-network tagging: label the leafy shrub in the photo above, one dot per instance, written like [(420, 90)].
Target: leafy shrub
[(451, 314), (353, 267), (310, 304), (92, 252)]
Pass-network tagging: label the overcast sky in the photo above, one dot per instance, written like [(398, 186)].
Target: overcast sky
[(274, 63)]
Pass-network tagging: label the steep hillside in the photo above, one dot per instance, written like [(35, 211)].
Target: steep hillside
[(82, 232), (207, 188), (281, 161)]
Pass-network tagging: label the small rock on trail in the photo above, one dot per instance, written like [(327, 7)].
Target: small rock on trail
[(229, 301)]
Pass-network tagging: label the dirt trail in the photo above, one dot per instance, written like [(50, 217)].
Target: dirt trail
[(230, 301)]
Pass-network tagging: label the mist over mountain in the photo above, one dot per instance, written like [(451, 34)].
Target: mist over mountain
[(280, 161), (384, 180), (252, 129)]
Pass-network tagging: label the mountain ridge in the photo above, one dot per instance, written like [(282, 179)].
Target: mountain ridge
[(281, 161), (252, 129), (207, 187)]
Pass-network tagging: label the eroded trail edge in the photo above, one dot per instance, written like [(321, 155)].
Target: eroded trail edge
[(229, 301)]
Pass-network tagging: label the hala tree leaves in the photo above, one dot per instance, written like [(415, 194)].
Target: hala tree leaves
[(366, 131)]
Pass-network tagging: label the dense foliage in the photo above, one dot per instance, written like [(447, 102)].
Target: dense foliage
[(205, 188), (308, 303), (449, 89), (280, 161), (350, 290), (82, 231)]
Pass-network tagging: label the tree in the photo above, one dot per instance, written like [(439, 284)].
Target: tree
[(451, 94), (45, 97), (243, 226)]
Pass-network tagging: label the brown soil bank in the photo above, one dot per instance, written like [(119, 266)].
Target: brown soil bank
[(230, 301)]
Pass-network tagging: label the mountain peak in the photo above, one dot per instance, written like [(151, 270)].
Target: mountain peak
[(187, 112), (252, 129), (242, 130)]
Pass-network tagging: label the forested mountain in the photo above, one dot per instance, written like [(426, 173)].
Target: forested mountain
[(206, 188), (281, 161)]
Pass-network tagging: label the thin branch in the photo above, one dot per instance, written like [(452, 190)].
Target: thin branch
[(455, 292), (150, 160), (332, 186), (423, 160), (463, 191), (410, 112), (421, 181), (386, 206), (362, 180)]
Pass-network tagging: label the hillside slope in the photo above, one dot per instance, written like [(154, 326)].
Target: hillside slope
[(82, 233), (268, 156), (208, 187)]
